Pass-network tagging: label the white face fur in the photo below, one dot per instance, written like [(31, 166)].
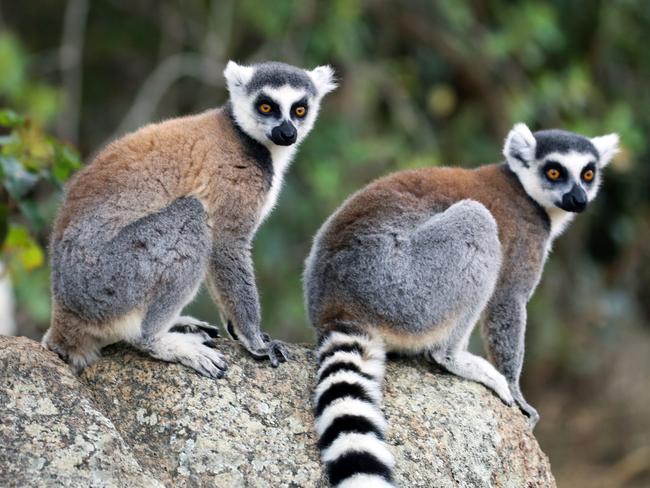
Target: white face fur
[(277, 104), (560, 170)]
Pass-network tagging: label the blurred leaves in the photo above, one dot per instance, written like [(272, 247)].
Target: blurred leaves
[(421, 84), (12, 65), (19, 245), (15, 178), (10, 119), (40, 100), (29, 159)]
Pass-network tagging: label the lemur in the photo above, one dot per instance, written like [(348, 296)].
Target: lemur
[(411, 262), (163, 207)]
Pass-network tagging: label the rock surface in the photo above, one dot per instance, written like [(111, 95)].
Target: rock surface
[(133, 421)]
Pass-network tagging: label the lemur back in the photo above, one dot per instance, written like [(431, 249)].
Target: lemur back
[(174, 202), (412, 262), (405, 201), (141, 173)]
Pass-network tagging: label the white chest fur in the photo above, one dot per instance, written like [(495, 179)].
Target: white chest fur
[(281, 157), (559, 220)]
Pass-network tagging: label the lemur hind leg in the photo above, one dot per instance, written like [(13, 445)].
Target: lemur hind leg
[(467, 234), (69, 337), (177, 257), (168, 337)]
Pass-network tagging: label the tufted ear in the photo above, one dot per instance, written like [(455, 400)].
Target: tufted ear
[(607, 147), (237, 76), (323, 78), (520, 145)]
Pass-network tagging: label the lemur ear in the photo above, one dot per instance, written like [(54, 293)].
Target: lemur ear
[(323, 78), (520, 145), (237, 76), (607, 147)]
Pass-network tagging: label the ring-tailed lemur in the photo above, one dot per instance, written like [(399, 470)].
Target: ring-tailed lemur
[(410, 263), (159, 208)]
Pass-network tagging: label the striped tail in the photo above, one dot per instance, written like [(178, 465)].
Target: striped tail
[(349, 422)]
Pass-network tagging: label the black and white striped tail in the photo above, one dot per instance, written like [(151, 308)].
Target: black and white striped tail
[(349, 422)]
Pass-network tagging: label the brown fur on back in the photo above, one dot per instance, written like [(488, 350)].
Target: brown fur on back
[(198, 155), (520, 220)]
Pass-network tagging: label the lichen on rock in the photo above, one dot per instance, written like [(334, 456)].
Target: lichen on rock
[(132, 421)]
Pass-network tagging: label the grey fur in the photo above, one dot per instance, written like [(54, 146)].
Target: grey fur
[(411, 263), (414, 270), (417, 259), (156, 211), (101, 273), (556, 140), (276, 74), (154, 264), (395, 268)]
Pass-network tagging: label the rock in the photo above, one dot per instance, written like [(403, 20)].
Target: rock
[(133, 421), (51, 431)]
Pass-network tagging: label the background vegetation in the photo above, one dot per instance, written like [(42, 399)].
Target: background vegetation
[(422, 83)]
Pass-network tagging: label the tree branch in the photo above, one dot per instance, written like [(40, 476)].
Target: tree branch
[(161, 79), (70, 57)]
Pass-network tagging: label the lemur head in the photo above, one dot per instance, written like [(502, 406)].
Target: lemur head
[(275, 103), (559, 169)]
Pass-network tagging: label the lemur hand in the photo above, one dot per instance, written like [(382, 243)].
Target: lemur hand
[(262, 347)]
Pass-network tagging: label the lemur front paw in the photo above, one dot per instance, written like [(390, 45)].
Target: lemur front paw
[(275, 351), (262, 348), (278, 352)]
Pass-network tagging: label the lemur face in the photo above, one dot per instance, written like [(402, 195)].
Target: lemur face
[(559, 169), (275, 103)]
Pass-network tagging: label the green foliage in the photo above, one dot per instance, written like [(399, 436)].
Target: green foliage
[(27, 158), (33, 164), (36, 98), (422, 84)]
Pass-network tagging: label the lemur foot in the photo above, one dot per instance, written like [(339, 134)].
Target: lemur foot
[(474, 368), (275, 351), (527, 409), (278, 352), (194, 350), (189, 325)]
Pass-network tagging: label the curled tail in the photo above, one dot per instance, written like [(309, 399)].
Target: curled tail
[(349, 422)]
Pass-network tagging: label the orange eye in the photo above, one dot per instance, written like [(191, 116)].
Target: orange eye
[(300, 111), (553, 174), (589, 175), (265, 108)]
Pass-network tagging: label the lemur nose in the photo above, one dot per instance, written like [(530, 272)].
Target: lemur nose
[(575, 200), (284, 134), (288, 131)]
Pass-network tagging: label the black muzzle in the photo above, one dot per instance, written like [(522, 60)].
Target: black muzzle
[(284, 134), (575, 200)]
